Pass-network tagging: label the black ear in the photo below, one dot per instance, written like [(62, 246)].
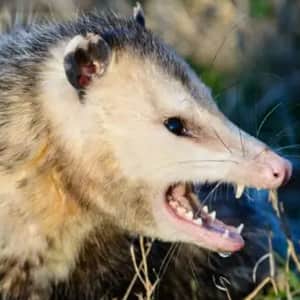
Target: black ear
[(86, 57), (138, 14)]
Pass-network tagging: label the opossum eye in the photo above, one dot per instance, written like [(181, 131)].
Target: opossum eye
[(176, 126)]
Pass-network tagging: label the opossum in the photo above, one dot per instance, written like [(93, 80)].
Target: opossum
[(105, 134)]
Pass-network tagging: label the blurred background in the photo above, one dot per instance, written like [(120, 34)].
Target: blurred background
[(247, 51)]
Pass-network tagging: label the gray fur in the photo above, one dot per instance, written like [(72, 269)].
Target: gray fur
[(23, 52), (29, 47), (104, 269)]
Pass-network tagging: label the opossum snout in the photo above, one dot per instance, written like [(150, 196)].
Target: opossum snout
[(274, 170), (277, 171)]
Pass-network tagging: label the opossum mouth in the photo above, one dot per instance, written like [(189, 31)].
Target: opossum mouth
[(193, 217)]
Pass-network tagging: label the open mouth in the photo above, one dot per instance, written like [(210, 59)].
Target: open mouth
[(193, 217)]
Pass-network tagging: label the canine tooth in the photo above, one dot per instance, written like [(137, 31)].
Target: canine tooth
[(240, 228), (198, 221), (189, 215), (213, 215), (226, 234), (224, 254), (239, 191), (205, 209)]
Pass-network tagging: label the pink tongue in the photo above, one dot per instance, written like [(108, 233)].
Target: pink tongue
[(178, 193)]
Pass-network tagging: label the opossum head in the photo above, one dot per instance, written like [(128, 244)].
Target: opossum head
[(142, 129)]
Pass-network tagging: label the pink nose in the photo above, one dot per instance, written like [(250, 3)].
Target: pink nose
[(279, 170)]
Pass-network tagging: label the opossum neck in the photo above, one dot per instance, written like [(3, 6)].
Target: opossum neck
[(41, 225), (57, 217), (88, 237)]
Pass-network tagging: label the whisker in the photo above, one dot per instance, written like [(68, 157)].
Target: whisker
[(208, 160), (242, 144), (267, 116), (194, 163), (292, 156), (288, 147), (222, 141), (206, 199)]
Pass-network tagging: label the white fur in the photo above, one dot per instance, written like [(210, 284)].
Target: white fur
[(125, 111)]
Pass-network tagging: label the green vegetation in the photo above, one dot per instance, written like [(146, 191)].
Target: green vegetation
[(261, 8)]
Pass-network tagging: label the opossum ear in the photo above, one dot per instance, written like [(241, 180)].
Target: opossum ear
[(86, 57), (138, 14)]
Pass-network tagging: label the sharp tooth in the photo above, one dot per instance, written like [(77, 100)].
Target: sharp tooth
[(213, 215), (226, 234), (239, 191), (205, 209), (240, 228), (198, 221), (181, 210), (224, 254), (189, 215), (173, 204)]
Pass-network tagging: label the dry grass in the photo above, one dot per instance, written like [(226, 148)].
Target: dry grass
[(286, 291), (141, 271)]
